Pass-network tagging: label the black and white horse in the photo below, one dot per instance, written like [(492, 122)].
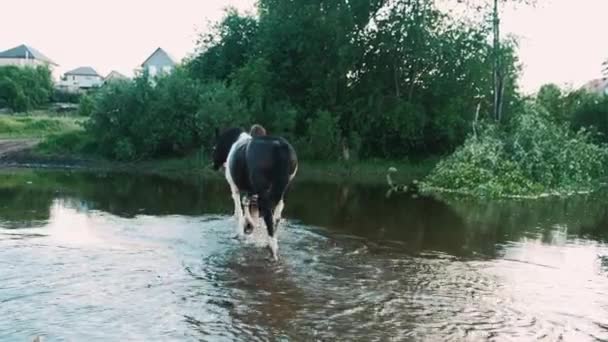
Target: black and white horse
[(260, 168)]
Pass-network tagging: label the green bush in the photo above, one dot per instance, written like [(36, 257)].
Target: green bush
[(532, 156), (135, 119), (62, 96), (591, 112), (322, 141), (25, 88), (85, 106), (69, 143)]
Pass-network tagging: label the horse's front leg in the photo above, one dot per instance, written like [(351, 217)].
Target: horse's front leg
[(238, 212)]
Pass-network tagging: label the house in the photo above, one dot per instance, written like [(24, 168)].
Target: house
[(24, 55), (80, 79), (598, 86), (159, 62), (114, 76)]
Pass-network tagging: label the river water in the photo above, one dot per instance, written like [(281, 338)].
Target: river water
[(116, 257)]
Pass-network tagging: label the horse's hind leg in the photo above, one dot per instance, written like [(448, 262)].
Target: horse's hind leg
[(273, 244), (278, 211), (238, 212), (250, 222)]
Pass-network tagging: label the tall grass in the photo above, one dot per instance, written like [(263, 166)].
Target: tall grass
[(36, 126)]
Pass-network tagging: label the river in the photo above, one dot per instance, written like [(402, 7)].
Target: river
[(119, 257)]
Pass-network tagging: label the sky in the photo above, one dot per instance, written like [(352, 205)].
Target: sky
[(561, 41)]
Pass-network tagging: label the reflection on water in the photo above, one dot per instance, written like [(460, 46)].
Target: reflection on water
[(119, 257)]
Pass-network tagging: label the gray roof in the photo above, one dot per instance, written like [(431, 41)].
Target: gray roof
[(24, 51), (159, 56), (83, 71), (115, 74)]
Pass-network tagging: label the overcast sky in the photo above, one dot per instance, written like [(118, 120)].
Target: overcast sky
[(562, 41)]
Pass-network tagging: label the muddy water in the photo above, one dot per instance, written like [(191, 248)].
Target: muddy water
[(92, 257)]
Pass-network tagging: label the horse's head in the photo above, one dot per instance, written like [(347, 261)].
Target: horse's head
[(223, 143)]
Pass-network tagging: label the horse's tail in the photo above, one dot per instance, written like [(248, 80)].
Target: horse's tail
[(282, 154)]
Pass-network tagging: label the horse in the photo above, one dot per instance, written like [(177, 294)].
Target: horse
[(260, 167)]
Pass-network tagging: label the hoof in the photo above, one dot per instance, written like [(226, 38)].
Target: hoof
[(273, 246), (273, 256), (248, 229)]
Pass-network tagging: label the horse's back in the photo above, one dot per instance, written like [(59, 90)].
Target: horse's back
[(271, 162)]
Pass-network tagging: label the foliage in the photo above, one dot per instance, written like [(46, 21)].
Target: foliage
[(63, 96), (591, 112), (135, 119), (322, 140), (25, 88), (30, 126), (72, 143), (577, 108), (532, 156), (85, 106), (226, 49), (398, 78)]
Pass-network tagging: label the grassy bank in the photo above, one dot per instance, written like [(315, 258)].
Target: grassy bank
[(74, 149), (35, 125)]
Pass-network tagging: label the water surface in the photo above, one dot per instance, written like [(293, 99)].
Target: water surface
[(116, 257)]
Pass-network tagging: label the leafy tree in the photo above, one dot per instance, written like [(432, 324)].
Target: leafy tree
[(25, 88), (226, 48)]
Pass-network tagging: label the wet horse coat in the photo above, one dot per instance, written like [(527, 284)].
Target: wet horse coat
[(260, 168)]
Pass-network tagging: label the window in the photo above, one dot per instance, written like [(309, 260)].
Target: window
[(152, 70)]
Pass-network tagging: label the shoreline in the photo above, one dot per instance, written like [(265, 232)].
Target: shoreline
[(370, 172)]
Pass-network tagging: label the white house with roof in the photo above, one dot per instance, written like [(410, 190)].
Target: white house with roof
[(159, 62), (24, 55), (81, 79), (114, 76)]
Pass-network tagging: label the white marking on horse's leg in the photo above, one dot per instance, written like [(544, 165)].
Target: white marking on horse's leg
[(278, 211), (273, 244), (238, 212), (236, 196), (248, 217), (240, 224)]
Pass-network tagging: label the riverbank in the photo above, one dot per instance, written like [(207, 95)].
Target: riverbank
[(27, 153)]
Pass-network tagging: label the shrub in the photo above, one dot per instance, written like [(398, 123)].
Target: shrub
[(322, 139), (134, 119), (62, 96), (69, 143), (591, 112), (25, 88), (532, 156), (85, 106)]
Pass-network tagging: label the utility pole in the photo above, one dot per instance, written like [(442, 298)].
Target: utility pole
[(498, 77)]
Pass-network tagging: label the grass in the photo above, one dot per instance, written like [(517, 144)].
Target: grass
[(66, 144), (36, 125), (366, 171), (75, 147)]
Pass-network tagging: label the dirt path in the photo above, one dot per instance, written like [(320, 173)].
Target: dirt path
[(11, 146)]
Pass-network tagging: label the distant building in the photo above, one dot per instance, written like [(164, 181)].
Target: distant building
[(159, 62), (597, 86), (24, 55), (80, 79), (114, 76)]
